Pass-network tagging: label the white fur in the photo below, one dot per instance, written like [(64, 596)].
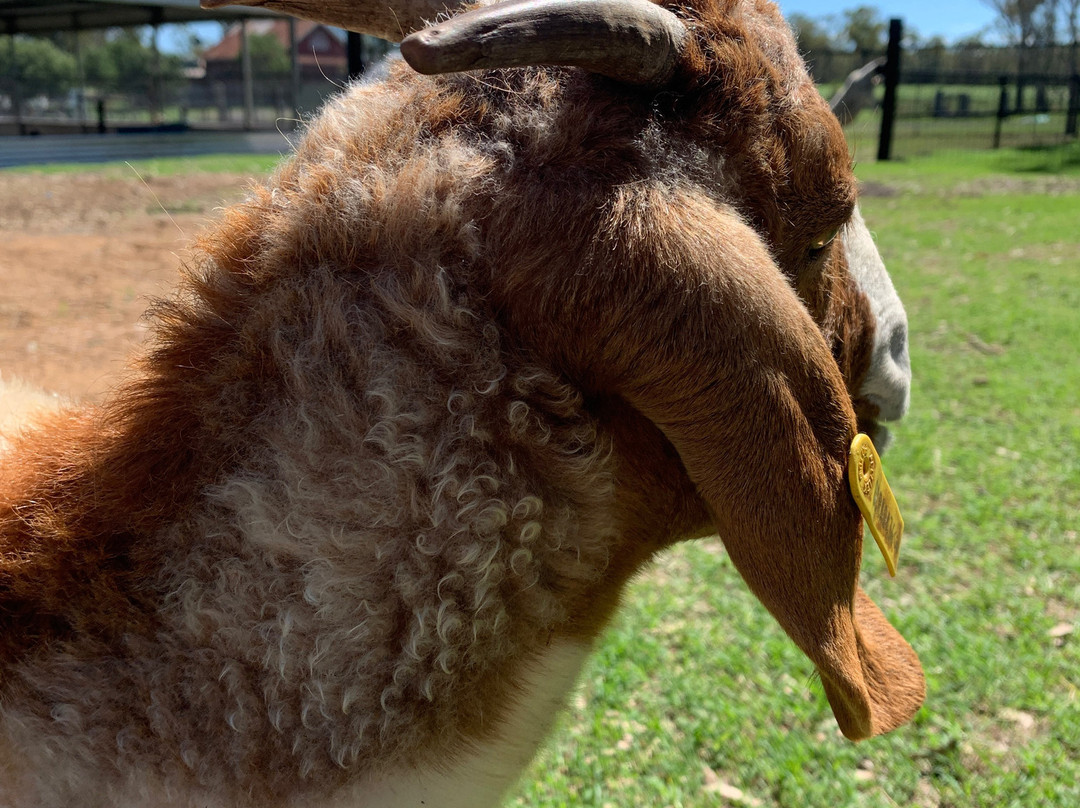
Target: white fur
[(479, 778), (888, 382)]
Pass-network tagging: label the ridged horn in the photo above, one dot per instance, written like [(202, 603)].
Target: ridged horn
[(633, 41), (387, 19)]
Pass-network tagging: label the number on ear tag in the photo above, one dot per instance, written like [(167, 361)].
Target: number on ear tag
[(875, 499)]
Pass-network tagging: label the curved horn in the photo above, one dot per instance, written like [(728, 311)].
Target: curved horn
[(387, 19), (629, 40)]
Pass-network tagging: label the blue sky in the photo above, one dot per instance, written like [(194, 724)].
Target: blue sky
[(951, 19)]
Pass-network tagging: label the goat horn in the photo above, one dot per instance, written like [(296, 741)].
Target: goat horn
[(633, 41), (387, 19)]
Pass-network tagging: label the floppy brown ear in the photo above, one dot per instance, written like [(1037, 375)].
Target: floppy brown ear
[(685, 314), (765, 437), (892, 686)]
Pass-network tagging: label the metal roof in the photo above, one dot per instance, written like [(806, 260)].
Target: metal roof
[(40, 16)]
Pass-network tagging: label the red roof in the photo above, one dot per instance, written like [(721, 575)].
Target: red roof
[(315, 42)]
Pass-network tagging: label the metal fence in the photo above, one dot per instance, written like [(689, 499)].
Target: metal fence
[(970, 110), (947, 98), (169, 95), (966, 98)]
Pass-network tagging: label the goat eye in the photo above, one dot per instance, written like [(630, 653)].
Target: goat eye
[(818, 245)]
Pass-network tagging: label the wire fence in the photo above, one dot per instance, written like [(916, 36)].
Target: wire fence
[(967, 98), (947, 98), (166, 93), (964, 110)]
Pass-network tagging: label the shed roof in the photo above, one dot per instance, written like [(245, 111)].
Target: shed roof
[(41, 16)]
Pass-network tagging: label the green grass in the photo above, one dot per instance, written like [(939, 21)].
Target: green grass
[(253, 164), (695, 685), (957, 172)]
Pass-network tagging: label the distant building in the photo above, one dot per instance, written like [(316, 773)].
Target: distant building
[(321, 50)]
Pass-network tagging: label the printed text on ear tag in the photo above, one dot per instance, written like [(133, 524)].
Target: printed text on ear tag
[(875, 499)]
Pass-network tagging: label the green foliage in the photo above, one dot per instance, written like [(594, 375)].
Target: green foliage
[(268, 56), (864, 29), (40, 67), (124, 62)]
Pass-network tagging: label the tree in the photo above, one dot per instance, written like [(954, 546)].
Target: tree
[(123, 62), (40, 67), (1017, 19), (1025, 23), (268, 56), (812, 35), (816, 44), (864, 28)]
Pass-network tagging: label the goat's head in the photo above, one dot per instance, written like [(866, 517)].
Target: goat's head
[(723, 81), (794, 178)]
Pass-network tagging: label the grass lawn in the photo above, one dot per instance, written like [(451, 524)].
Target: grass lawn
[(257, 165), (696, 698)]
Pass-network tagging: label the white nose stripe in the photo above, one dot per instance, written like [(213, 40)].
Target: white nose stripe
[(888, 381)]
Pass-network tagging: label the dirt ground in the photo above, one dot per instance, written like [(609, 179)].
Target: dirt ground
[(81, 258)]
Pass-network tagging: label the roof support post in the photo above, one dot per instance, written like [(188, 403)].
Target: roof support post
[(156, 17), (80, 75), (294, 71), (355, 46), (246, 77), (16, 78)]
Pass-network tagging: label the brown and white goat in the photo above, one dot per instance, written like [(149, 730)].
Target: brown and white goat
[(479, 350)]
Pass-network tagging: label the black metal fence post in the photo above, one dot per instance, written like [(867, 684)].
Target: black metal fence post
[(1003, 110), (355, 48), (1071, 129), (892, 82)]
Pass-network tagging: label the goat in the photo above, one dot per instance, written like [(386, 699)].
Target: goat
[(483, 346)]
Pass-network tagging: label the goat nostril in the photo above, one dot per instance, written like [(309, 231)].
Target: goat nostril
[(898, 347), (887, 385)]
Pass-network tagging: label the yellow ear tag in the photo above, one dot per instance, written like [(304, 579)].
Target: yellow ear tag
[(875, 499)]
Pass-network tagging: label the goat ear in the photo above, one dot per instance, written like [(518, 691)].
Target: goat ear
[(743, 384), (888, 686), (871, 676)]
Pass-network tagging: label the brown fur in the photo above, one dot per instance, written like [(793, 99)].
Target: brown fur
[(477, 352)]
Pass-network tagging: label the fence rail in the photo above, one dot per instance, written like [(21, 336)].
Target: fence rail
[(943, 98), (963, 98)]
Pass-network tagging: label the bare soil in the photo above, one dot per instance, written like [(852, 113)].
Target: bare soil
[(81, 258)]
